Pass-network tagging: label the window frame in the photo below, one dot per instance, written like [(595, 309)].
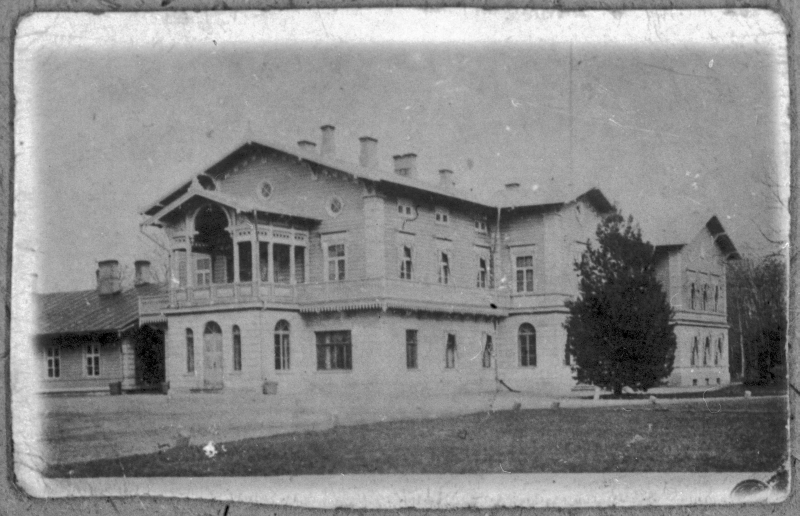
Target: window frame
[(283, 344), (190, 366), (412, 349), (528, 277), (488, 351), (451, 347), (236, 341), (340, 271), (343, 350), (406, 209), (441, 216), (207, 273), (528, 340), (406, 262), (53, 362), (444, 267), (483, 272), (91, 360)]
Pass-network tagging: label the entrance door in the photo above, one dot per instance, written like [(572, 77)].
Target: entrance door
[(212, 356)]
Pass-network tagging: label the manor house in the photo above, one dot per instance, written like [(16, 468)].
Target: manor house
[(296, 269)]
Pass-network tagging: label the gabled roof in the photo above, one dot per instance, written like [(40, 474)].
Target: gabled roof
[(682, 227), (501, 199), (193, 191), (86, 311)]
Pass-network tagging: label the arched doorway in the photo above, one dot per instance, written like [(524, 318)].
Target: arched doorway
[(212, 248), (212, 356)]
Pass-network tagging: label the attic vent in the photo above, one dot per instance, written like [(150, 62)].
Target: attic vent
[(206, 182)]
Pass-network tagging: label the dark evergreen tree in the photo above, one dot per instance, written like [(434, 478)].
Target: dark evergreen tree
[(619, 329)]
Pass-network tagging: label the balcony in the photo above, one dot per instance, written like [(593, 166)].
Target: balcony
[(375, 293)]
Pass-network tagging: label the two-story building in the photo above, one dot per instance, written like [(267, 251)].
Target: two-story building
[(293, 267)]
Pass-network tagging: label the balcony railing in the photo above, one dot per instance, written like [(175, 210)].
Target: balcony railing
[(337, 295)]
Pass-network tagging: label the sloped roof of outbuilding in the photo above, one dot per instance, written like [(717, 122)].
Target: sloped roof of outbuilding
[(86, 311)]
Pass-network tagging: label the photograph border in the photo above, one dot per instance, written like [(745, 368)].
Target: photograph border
[(138, 503)]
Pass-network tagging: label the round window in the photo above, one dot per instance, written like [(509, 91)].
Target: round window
[(335, 206), (265, 190)]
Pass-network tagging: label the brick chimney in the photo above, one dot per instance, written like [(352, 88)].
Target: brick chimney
[(307, 145), (328, 147), (406, 165), (109, 279), (446, 177), (142, 276), (369, 152)]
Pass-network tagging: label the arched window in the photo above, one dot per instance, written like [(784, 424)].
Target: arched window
[(189, 350), (527, 345), (716, 298), (695, 351), (212, 328), (705, 297), (707, 351), (282, 346), (718, 352), (450, 352), (237, 349), (487, 351), (694, 294)]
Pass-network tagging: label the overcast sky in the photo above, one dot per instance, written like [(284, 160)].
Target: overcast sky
[(662, 129)]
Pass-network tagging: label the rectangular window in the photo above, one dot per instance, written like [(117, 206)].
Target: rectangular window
[(202, 271), (482, 273), (53, 362), (189, 351), (245, 261), (488, 350), (444, 268), (524, 268), (336, 262), (405, 263), (450, 352), (411, 349), (442, 216), (237, 349), (480, 226), (405, 209), (281, 263), (263, 260), (93, 360), (300, 264), (180, 261), (334, 350)]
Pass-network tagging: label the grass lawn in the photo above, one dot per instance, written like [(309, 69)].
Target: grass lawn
[(722, 435)]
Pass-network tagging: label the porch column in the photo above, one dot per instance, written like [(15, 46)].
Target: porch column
[(292, 280)]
